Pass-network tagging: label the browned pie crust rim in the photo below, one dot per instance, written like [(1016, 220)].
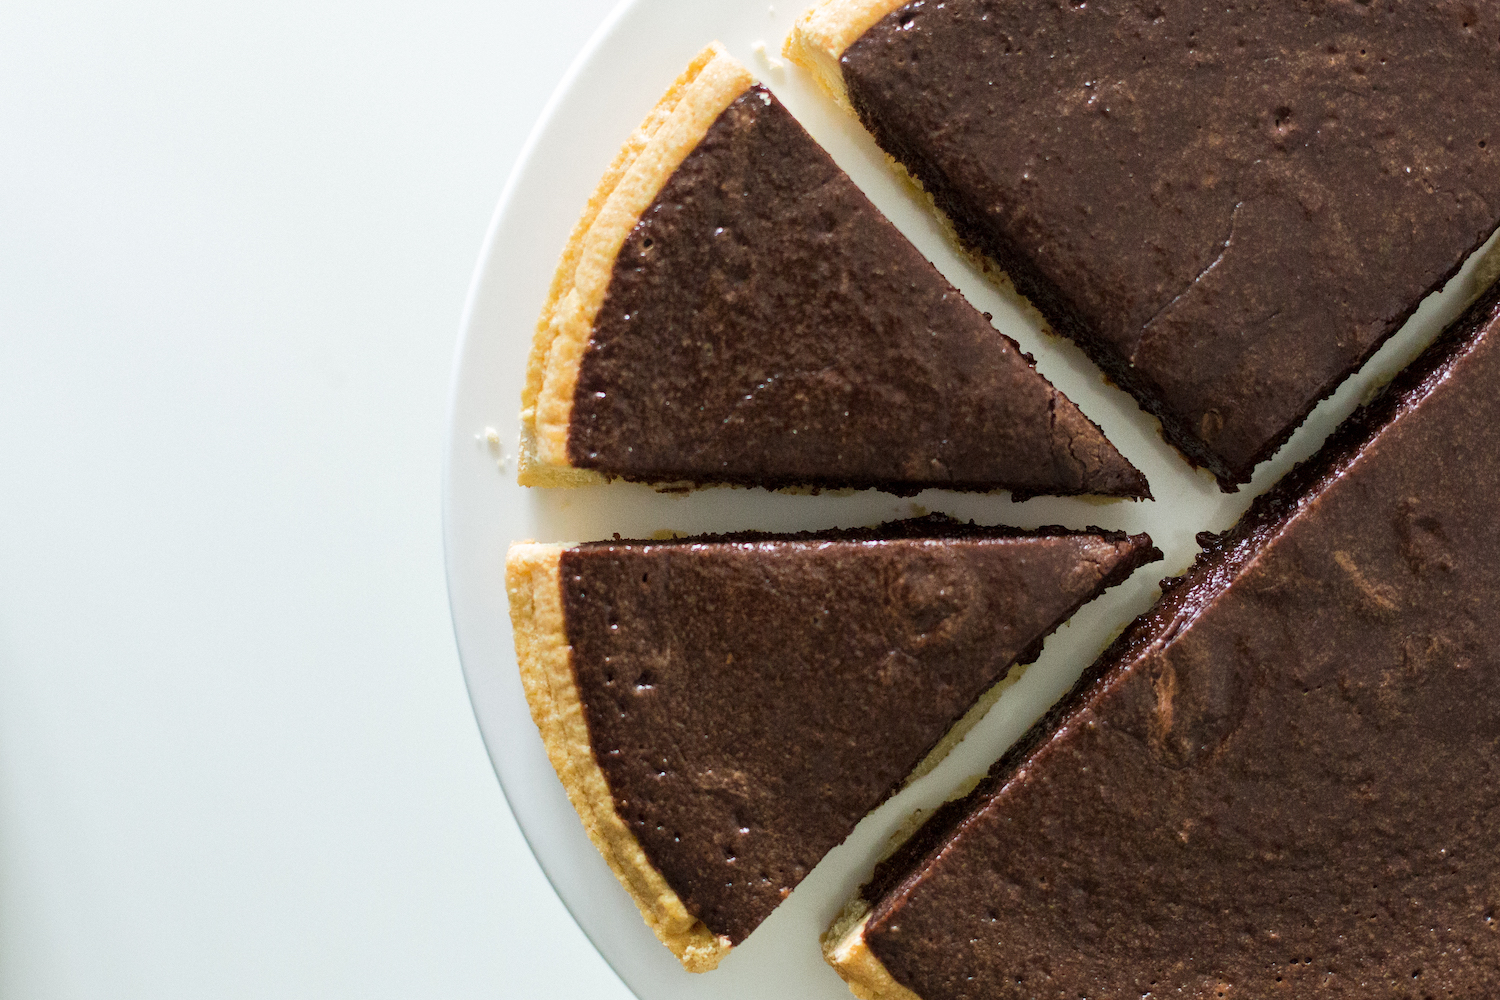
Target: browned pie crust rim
[(821, 35), (672, 130), (533, 579), (845, 949)]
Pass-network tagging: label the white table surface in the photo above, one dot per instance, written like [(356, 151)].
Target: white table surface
[(236, 754)]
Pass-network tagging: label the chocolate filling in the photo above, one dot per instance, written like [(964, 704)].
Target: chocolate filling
[(750, 698), (766, 325), (1228, 207), (1286, 776)]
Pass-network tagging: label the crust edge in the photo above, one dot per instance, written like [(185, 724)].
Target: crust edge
[(821, 35), (533, 578), (845, 948), (653, 152)]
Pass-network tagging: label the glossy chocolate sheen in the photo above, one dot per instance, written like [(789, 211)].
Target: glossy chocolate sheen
[(1228, 205), (766, 325), (1284, 780), (750, 698)]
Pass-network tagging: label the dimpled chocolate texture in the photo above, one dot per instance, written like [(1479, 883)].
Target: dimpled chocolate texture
[(750, 701), (1282, 781), (765, 325), (1228, 205)]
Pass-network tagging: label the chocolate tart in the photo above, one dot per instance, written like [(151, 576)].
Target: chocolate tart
[(1228, 207), (1282, 780), (731, 309), (723, 710)]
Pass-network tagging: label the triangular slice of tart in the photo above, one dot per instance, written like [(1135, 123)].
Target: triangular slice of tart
[(731, 309), (1283, 780), (723, 710)]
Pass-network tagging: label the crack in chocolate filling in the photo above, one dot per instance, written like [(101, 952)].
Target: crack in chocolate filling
[(1228, 206)]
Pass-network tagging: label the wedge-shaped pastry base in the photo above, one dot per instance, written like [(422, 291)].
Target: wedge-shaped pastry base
[(1284, 779), (723, 711), (732, 309), (1228, 208)]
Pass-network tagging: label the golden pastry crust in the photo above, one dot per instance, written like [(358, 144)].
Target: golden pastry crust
[(844, 945), (845, 949), (533, 579), (824, 32), (674, 128)]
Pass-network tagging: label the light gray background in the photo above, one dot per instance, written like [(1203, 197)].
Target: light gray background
[(236, 754)]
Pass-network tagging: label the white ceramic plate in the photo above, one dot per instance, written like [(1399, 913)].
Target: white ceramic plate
[(627, 65)]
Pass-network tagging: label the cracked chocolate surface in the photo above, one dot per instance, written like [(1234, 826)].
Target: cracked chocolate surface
[(1282, 780), (766, 325), (1228, 206), (750, 698)]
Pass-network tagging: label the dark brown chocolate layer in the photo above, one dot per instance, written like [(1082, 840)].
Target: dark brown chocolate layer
[(766, 325), (750, 698), (1230, 206), (1285, 778)]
